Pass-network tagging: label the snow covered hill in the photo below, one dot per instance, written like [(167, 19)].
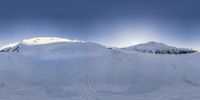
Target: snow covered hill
[(53, 48), (64, 69), (158, 48), (14, 47)]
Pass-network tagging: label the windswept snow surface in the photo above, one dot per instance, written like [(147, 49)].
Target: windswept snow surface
[(88, 71)]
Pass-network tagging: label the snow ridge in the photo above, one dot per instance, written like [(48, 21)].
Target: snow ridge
[(46, 40), (36, 42)]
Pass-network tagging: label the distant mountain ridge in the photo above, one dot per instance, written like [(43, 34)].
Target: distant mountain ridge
[(158, 48), (149, 47)]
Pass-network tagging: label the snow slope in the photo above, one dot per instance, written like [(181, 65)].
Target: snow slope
[(65, 70)]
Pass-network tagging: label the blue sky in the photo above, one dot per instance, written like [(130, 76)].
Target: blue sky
[(110, 22)]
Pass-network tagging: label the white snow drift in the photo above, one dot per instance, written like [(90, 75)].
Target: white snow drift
[(64, 69)]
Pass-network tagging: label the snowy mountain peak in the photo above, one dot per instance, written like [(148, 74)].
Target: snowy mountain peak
[(153, 46), (152, 43), (158, 48)]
